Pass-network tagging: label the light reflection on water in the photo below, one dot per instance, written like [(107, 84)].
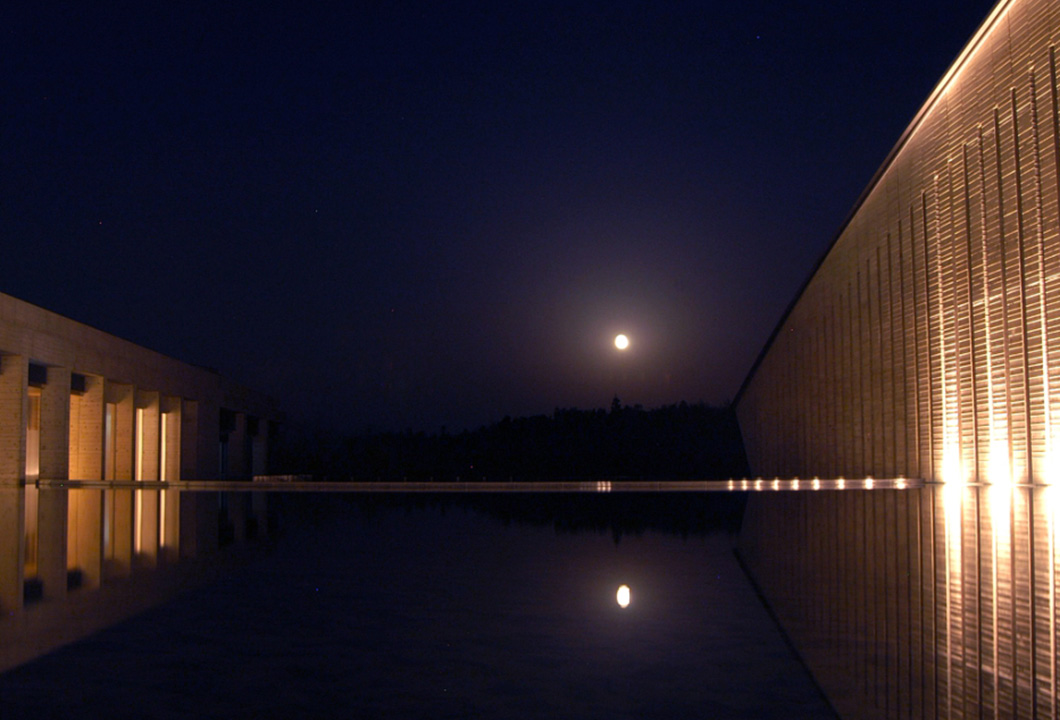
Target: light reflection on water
[(98, 552), (905, 599), (431, 605), (938, 601)]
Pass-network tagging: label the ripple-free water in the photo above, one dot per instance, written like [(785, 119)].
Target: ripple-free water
[(434, 608)]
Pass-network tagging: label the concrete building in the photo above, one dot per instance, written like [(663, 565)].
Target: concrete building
[(926, 344), (80, 404), (927, 341), (77, 404)]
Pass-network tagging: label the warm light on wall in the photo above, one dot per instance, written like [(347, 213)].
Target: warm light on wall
[(1000, 499), (952, 508), (1049, 472), (999, 472), (33, 404), (139, 450), (29, 551), (138, 522), (1051, 501), (162, 512), (163, 452), (138, 517), (926, 342), (952, 470)]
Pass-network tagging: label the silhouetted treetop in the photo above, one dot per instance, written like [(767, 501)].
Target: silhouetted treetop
[(682, 441)]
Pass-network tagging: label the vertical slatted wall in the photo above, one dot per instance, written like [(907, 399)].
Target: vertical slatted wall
[(927, 344), (937, 602)]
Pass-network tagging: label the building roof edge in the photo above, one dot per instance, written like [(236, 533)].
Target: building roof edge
[(940, 89)]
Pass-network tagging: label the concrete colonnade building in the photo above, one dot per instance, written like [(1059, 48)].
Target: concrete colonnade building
[(927, 341), (78, 404)]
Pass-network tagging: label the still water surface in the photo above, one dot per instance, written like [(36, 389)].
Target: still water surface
[(932, 602), (417, 606)]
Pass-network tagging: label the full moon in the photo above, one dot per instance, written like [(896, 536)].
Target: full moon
[(621, 342), (623, 596)]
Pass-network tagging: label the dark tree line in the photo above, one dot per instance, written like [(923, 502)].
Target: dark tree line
[(683, 441), (619, 514)]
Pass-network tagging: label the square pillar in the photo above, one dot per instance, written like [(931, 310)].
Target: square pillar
[(117, 533), (148, 440), (257, 430), (145, 530), (12, 530), (51, 541), (119, 431), (14, 379), (31, 528), (86, 429), (189, 441), (207, 435), (119, 464), (169, 525), (170, 439), (84, 538), (146, 451), (236, 468), (55, 425)]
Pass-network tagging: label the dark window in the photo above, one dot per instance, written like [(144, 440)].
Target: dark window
[(228, 421), (38, 375)]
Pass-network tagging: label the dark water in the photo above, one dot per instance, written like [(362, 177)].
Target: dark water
[(932, 602), (443, 611)]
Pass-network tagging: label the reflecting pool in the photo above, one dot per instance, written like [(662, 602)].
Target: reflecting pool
[(601, 599), (454, 605), (937, 601), (76, 557)]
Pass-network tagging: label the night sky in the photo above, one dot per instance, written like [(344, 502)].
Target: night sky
[(395, 215)]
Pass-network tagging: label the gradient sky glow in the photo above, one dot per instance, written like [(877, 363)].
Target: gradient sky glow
[(405, 214)]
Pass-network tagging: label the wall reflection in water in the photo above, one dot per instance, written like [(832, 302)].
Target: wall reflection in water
[(938, 601), (58, 544)]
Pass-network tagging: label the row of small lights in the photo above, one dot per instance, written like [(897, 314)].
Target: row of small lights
[(776, 483), (816, 484)]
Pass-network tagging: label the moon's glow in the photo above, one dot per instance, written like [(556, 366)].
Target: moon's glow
[(623, 596), (621, 342)]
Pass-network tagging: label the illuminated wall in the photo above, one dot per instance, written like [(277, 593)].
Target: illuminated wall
[(79, 404), (927, 342), (933, 602)]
